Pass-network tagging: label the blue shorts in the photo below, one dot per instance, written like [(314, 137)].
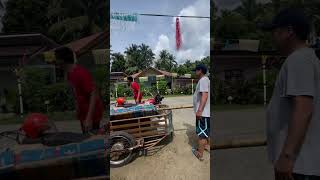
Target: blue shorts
[(203, 127)]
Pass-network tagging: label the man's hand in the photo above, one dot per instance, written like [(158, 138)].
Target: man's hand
[(284, 168), (198, 114), (88, 124)]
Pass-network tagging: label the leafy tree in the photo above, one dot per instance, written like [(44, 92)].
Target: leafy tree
[(231, 25), (166, 61), (25, 16), (138, 57), (118, 62), (248, 9), (74, 19)]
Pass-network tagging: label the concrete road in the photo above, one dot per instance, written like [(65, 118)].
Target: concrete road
[(241, 163)]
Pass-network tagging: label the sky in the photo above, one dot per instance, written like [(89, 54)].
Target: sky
[(159, 32)]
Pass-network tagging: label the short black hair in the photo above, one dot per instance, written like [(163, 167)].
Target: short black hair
[(130, 78), (65, 54), (202, 68)]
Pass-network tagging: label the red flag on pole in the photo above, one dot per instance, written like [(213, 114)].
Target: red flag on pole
[(178, 34)]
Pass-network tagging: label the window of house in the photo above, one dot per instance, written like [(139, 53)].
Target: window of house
[(234, 74)]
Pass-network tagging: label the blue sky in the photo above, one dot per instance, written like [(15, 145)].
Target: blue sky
[(159, 32)]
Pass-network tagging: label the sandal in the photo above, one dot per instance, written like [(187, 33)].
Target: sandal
[(207, 148), (197, 154)]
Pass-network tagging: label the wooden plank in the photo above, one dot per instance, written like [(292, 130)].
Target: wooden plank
[(144, 117), (142, 129), (113, 127), (176, 107), (239, 143)]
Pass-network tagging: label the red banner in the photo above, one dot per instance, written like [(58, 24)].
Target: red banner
[(178, 34)]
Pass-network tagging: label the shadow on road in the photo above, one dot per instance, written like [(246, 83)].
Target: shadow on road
[(191, 133)]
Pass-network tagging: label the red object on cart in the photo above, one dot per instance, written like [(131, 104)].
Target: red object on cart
[(35, 124), (121, 101)]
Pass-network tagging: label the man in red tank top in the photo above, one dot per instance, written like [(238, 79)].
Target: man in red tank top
[(89, 106), (137, 94)]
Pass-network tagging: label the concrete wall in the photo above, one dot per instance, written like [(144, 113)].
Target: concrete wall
[(8, 80)]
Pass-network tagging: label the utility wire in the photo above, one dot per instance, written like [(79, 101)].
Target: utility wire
[(167, 15)]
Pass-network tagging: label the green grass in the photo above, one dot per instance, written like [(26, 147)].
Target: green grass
[(232, 107), (55, 116)]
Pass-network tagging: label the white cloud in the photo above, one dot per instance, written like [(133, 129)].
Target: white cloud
[(163, 43), (195, 33)]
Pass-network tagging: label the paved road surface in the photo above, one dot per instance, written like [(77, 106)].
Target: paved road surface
[(242, 163)]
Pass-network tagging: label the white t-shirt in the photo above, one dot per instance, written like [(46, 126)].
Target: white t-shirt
[(299, 75), (202, 86)]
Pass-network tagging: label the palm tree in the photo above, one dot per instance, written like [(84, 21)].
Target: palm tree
[(118, 62), (76, 18), (248, 9), (146, 56), (166, 61)]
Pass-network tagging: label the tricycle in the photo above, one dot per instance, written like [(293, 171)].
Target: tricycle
[(54, 155), (138, 130)]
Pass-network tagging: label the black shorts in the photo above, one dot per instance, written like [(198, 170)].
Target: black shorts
[(203, 127)]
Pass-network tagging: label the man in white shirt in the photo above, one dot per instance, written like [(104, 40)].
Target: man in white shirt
[(201, 105), (293, 117)]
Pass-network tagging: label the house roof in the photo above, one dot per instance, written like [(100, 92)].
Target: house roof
[(24, 44), (81, 46), (118, 74), (160, 71)]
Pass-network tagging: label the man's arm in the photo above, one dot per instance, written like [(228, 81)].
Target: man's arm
[(203, 101), (138, 96), (92, 104), (303, 108)]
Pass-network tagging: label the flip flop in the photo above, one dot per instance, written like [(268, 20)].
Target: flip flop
[(207, 149), (196, 154)]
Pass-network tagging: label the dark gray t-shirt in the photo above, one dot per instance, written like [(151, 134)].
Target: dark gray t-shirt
[(299, 75)]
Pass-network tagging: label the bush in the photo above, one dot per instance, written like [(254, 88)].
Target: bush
[(37, 88), (60, 97), (100, 75), (123, 90), (183, 90), (162, 86), (34, 81)]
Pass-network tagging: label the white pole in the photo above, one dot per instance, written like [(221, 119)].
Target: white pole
[(264, 58), (20, 93), (158, 87), (192, 86), (116, 91)]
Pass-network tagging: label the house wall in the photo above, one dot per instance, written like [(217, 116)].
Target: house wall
[(8, 80), (249, 66)]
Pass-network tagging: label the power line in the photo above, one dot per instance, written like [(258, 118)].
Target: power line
[(167, 15)]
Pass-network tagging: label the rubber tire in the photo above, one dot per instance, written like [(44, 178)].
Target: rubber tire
[(132, 143)]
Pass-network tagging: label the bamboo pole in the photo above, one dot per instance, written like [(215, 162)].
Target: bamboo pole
[(239, 143), (264, 59), (176, 107)]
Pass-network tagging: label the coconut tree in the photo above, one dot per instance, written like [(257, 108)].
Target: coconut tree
[(76, 18)]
